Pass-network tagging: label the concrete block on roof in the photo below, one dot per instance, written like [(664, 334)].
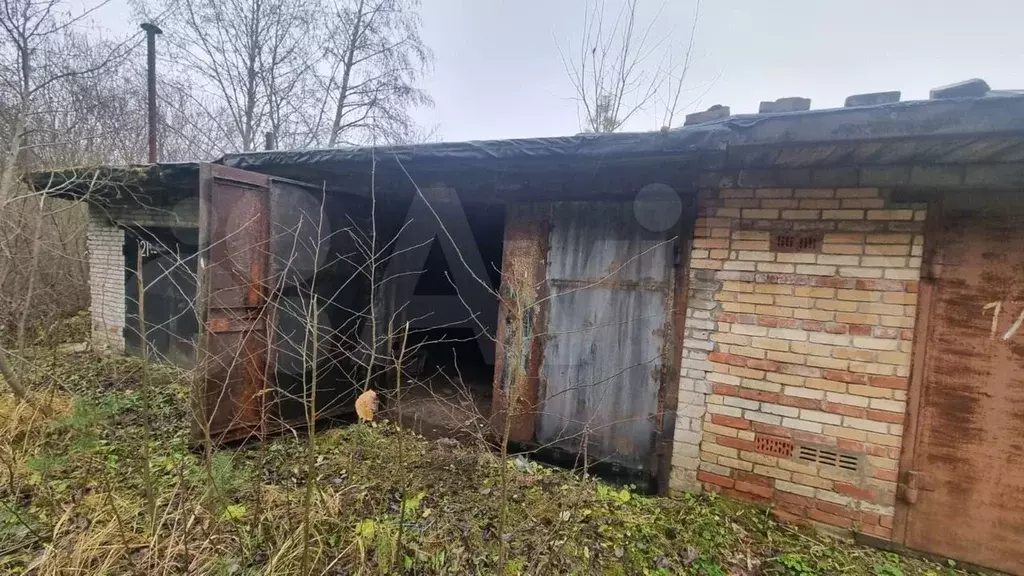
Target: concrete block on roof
[(872, 99), (973, 88), (791, 104), (714, 113)]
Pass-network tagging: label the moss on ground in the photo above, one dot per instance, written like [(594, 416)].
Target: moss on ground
[(383, 501)]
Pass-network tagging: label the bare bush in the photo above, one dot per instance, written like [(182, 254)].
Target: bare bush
[(44, 61)]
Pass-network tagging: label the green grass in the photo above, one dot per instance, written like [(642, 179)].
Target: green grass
[(74, 502)]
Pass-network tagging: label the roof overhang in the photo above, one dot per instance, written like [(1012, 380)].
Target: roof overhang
[(973, 130), (121, 186)]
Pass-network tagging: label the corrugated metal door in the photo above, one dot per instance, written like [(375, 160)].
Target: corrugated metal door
[(610, 283), (961, 494), (234, 235)]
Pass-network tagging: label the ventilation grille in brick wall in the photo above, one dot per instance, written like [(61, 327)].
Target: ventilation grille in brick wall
[(774, 446), (796, 242), (828, 457)]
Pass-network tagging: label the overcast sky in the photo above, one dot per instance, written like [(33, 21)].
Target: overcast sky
[(498, 73)]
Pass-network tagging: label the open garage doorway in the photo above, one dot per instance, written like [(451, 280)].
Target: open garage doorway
[(442, 278), (315, 296)]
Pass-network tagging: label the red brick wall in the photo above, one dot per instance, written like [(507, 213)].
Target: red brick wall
[(810, 347)]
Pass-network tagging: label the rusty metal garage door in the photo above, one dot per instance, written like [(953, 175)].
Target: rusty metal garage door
[(963, 474), (610, 283), (234, 241), (265, 243)]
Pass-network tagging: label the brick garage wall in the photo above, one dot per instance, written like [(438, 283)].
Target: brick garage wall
[(105, 245), (809, 348), (693, 382)]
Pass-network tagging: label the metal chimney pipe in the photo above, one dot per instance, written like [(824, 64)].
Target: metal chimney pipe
[(151, 31), (270, 142)]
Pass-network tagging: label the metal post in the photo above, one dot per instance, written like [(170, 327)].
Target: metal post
[(151, 31)]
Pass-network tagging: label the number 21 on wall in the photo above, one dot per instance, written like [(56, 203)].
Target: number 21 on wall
[(997, 308)]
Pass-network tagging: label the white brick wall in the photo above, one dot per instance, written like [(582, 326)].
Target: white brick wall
[(693, 386), (105, 245), (809, 348)]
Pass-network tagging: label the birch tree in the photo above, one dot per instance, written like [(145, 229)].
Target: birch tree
[(315, 72), (244, 57), (621, 68), (373, 57)]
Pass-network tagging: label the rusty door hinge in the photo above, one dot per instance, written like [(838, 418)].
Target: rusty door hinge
[(914, 482)]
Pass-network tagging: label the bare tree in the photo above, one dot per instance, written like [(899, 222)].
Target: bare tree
[(69, 96), (314, 72), (39, 50), (620, 69), (676, 72), (247, 55), (43, 59), (373, 57)]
